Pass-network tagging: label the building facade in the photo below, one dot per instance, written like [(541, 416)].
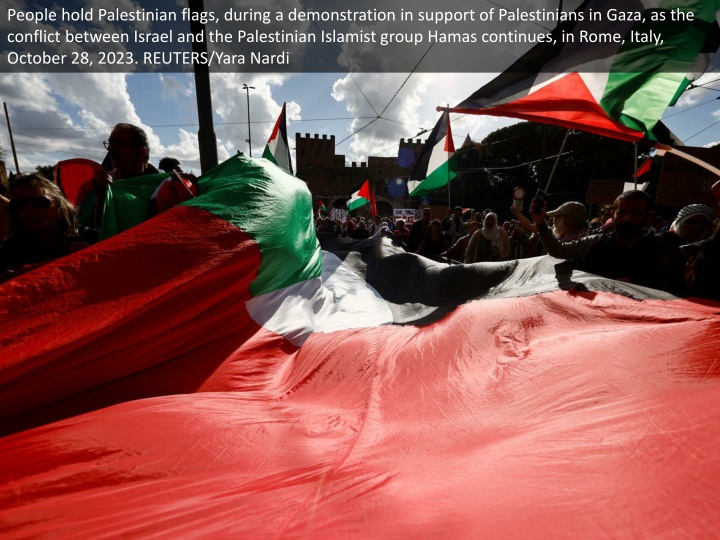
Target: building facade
[(330, 178)]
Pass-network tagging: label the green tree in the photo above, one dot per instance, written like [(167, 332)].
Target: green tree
[(46, 171), (513, 157)]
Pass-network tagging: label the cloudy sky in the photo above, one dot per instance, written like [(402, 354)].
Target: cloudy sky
[(60, 116)]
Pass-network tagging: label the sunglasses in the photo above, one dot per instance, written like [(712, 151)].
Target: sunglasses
[(117, 144), (22, 203)]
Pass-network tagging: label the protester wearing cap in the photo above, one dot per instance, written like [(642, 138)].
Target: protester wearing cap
[(628, 253), (569, 221)]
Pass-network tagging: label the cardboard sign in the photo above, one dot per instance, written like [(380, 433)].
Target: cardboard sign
[(603, 191), (408, 214), (683, 182)]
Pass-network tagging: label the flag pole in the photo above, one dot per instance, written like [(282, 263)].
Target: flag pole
[(662, 149), (448, 158), (557, 160), (12, 141), (207, 140), (697, 161), (636, 163)]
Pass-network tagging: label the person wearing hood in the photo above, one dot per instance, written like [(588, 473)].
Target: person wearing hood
[(693, 224), (491, 243)]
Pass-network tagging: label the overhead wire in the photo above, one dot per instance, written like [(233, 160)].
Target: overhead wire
[(517, 166), (702, 130), (338, 57), (691, 108), (192, 125)]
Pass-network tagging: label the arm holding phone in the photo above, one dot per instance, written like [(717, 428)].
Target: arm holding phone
[(525, 222)]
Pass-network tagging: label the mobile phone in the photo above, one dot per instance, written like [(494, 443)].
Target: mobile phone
[(540, 200)]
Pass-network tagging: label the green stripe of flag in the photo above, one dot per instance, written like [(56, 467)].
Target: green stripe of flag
[(275, 209), (637, 99), (438, 178)]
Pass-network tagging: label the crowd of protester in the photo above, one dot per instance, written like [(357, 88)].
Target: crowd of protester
[(39, 224), (626, 241)]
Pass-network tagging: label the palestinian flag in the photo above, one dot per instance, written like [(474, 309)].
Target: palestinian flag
[(217, 371), (277, 149), (125, 204), (437, 164), (321, 207), (617, 90), (360, 198)]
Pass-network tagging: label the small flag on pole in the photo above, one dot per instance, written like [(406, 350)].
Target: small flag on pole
[(277, 149), (437, 164), (321, 207), (361, 197)]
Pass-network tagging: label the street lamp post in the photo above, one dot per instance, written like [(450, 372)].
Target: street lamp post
[(247, 90)]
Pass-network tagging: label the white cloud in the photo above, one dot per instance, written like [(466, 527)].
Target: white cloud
[(413, 109), (400, 119), (230, 103), (186, 150), (177, 85), (59, 116), (699, 93)]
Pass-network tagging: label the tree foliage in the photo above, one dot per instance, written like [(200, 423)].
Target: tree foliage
[(46, 171), (513, 157)]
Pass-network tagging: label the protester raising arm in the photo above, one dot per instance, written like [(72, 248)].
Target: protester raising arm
[(525, 222), (577, 249)]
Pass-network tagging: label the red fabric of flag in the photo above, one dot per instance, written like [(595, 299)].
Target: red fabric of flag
[(644, 168)]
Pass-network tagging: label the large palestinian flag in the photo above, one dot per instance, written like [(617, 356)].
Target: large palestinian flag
[(437, 164), (206, 374), (615, 89), (277, 148)]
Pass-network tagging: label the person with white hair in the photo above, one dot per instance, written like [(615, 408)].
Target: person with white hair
[(569, 221)]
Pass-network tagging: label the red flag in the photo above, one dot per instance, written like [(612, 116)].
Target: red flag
[(644, 168), (373, 204), (75, 178), (365, 190)]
